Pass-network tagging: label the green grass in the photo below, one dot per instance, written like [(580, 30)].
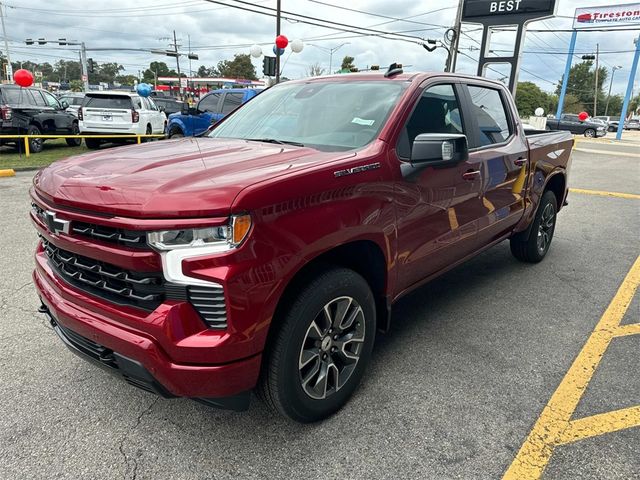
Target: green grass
[(53, 150)]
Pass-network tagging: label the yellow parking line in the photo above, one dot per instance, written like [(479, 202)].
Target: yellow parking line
[(9, 172), (603, 193), (600, 424), (624, 330), (555, 419)]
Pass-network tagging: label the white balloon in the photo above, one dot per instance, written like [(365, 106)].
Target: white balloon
[(256, 51), (297, 46), (539, 112)]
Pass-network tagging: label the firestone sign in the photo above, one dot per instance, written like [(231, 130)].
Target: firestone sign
[(506, 10), (609, 16)]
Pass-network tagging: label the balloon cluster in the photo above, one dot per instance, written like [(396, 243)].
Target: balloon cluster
[(582, 116), (144, 89), (279, 47), (23, 77)]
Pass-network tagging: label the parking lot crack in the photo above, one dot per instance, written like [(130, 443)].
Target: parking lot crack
[(132, 461)]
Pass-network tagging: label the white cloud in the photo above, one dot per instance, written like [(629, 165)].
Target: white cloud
[(210, 25)]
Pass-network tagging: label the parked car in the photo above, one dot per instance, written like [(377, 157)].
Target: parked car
[(74, 100), (168, 105), (611, 122), (573, 124), (268, 253), (33, 111), (632, 124), (118, 113), (210, 109)]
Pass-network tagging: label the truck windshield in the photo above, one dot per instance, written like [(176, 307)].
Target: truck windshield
[(323, 115)]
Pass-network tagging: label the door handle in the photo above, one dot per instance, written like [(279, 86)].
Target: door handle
[(471, 174), (520, 162)]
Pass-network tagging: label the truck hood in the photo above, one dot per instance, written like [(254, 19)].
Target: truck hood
[(188, 177)]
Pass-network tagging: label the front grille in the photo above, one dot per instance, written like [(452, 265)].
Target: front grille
[(209, 303), (126, 238), (142, 290), (119, 236)]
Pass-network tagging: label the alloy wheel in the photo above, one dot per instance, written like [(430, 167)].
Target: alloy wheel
[(331, 347), (545, 230)]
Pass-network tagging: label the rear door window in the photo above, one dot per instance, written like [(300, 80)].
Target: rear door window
[(209, 103), (37, 98), (50, 99), (488, 108), (107, 101), (232, 101)]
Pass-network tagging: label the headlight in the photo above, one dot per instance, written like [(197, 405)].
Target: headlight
[(229, 236)]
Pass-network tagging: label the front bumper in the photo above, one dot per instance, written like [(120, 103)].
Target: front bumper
[(139, 357), (601, 133)]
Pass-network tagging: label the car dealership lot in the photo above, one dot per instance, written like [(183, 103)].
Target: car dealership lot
[(453, 391)]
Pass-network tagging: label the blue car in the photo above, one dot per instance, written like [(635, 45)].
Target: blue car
[(210, 109)]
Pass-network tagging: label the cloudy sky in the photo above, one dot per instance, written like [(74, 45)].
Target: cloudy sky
[(217, 32)]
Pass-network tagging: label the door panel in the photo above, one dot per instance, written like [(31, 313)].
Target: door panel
[(503, 156), (438, 209)]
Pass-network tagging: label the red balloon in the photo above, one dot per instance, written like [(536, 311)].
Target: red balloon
[(23, 77), (582, 116), (282, 41)]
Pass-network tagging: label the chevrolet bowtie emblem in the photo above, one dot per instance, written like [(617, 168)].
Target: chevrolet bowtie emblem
[(55, 224)]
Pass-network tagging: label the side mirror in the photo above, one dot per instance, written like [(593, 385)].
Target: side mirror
[(161, 108), (439, 149), (64, 104)]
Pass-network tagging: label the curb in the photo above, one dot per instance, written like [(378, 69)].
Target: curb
[(27, 169), (10, 172)]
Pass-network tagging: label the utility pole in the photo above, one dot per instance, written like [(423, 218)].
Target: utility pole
[(595, 97), (175, 49), (278, 8), (453, 52), (6, 46), (613, 72), (83, 66)]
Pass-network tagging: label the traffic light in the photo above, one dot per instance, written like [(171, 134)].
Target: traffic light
[(91, 65), (269, 66), (192, 56), (588, 57), (42, 41), (29, 41), (62, 41)]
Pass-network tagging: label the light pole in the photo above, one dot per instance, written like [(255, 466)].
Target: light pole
[(6, 46), (613, 72), (331, 51)]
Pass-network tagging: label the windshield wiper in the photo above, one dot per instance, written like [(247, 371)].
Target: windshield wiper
[(274, 140)]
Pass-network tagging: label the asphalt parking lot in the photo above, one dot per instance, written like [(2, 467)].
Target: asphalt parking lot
[(475, 380)]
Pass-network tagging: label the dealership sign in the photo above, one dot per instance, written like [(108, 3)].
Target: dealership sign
[(506, 10), (607, 16)]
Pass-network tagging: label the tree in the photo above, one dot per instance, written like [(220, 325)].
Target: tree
[(634, 105), (529, 97), (581, 84), (204, 71), (239, 67), (76, 85), (347, 63), (66, 70), (107, 72), (615, 106), (157, 68), (127, 80), (315, 70)]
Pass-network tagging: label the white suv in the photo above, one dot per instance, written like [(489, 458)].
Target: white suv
[(118, 113)]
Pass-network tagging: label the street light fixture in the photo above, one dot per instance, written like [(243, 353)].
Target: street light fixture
[(613, 72), (331, 51)]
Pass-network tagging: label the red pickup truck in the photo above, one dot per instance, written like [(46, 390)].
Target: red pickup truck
[(267, 254)]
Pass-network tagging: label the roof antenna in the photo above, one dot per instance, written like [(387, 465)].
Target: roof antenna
[(394, 69)]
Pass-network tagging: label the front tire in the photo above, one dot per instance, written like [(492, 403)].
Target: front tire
[(321, 347), (590, 133), (534, 248), (176, 133)]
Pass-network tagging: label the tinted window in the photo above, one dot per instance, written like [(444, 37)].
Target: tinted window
[(490, 113), (50, 99), (107, 101), (436, 112), (37, 98), (232, 101), (16, 96), (209, 103)]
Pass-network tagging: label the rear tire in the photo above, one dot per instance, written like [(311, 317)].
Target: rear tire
[(534, 248), (148, 131), (319, 350), (74, 142), (35, 144), (92, 143)]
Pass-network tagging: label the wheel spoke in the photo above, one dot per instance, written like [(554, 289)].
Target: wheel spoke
[(342, 308), (307, 356), (314, 331)]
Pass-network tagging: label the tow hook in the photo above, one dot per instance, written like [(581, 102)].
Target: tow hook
[(44, 309)]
